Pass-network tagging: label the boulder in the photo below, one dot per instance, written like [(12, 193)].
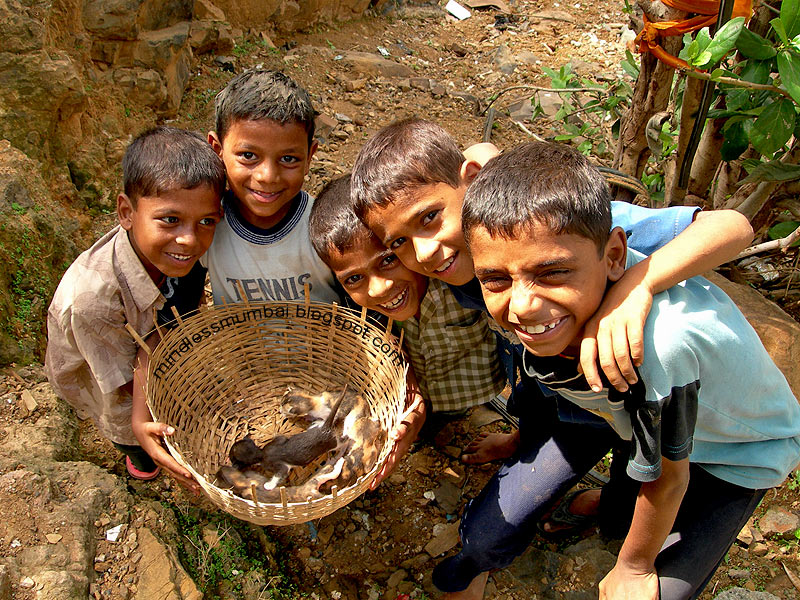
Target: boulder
[(779, 333), (372, 64), (114, 19)]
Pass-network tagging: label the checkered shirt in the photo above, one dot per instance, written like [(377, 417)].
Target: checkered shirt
[(452, 351)]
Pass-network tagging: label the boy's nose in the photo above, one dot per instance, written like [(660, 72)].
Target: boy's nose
[(187, 236), (524, 302), (266, 172), (378, 286), (425, 249)]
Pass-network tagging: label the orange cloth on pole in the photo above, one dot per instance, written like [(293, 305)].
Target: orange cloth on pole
[(647, 40)]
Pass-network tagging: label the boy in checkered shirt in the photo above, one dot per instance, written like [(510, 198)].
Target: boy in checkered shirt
[(451, 349)]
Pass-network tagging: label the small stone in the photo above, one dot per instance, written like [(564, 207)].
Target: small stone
[(395, 578), (779, 522), (28, 401), (397, 478), (444, 540), (54, 538), (351, 85), (325, 534), (304, 553), (759, 549), (738, 573), (27, 583), (745, 536)]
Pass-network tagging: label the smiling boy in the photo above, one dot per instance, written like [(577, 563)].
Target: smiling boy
[(133, 275), (451, 349), (709, 427), (409, 182), (264, 133)]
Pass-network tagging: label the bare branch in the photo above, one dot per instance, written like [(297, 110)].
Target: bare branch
[(782, 243)]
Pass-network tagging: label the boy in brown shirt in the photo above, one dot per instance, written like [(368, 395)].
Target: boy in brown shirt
[(132, 275)]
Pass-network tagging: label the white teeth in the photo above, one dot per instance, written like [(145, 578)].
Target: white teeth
[(183, 257), (536, 329), (396, 302), (446, 265)]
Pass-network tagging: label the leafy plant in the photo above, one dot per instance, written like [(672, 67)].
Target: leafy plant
[(759, 93), (590, 123)]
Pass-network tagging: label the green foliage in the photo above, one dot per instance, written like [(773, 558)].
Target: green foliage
[(793, 483), (230, 563), (589, 123), (783, 229), (759, 95)]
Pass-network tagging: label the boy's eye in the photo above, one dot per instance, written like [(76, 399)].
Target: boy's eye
[(395, 244), (247, 155), (494, 283), (169, 220), (429, 217), (352, 280), (290, 160), (208, 221), (388, 261), (555, 274)]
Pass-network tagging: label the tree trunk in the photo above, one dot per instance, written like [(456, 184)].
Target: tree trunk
[(651, 95)]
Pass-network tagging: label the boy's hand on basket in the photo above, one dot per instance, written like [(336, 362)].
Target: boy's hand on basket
[(149, 435), (402, 437)]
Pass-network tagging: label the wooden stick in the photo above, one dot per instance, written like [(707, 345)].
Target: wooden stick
[(253, 491), (177, 315), (335, 491), (138, 339), (284, 502)]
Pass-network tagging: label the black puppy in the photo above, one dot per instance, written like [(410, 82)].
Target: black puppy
[(282, 453)]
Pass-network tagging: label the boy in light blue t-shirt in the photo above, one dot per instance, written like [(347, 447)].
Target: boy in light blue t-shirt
[(710, 425)]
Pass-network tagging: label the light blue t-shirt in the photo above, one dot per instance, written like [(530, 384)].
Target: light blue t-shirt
[(712, 393)]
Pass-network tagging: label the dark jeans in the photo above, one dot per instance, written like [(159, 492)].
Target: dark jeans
[(500, 522), (140, 459)]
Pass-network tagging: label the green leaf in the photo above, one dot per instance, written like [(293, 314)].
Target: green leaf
[(789, 68), (790, 17), (774, 126), (725, 39), (736, 99), (703, 59), (756, 71), (735, 140), (777, 25), (751, 164), (753, 45), (780, 231), (773, 170)]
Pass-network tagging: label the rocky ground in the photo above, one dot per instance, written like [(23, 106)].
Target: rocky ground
[(74, 521)]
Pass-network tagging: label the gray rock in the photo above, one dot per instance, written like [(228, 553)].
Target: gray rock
[(503, 61), (738, 593), (779, 522), (448, 496)]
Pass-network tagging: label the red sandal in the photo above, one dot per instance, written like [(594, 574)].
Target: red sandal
[(142, 475)]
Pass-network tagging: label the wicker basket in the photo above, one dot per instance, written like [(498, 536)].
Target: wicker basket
[(220, 373)]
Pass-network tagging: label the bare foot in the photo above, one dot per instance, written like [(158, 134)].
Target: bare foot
[(490, 446), (584, 504), (473, 592)]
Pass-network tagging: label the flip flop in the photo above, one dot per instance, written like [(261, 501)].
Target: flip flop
[(142, 475), (561, 515)]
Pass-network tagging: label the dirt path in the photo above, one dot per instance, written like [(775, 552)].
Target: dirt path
[(387, 542)]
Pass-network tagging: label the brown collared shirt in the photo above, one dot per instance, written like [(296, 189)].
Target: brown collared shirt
[(90, 355)]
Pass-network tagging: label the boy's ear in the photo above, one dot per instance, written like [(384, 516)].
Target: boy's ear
[(312, 149), (616, 253), (215, 143), (125, 212), (469, 170)]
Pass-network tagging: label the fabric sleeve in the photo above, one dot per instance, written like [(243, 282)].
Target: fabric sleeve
[(648, 229), (662, 428), (100, 336)]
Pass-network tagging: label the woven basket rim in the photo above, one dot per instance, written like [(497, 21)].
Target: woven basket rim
[(280, 513)]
